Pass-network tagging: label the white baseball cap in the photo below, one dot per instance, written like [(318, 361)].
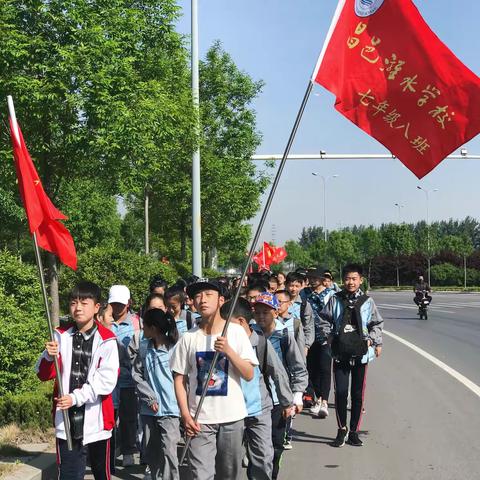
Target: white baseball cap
[(119, 294)]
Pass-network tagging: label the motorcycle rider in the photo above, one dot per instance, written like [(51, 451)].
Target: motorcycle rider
[(421, 289)]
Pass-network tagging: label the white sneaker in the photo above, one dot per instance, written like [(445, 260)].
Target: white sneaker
[(315, 408), (148, 474), (323, 411), (128, 460)]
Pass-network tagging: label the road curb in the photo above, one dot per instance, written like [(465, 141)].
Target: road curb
[(40, 467)]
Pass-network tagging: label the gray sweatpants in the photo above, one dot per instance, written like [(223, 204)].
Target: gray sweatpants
[(161, 438), (258, 432), (217, 452)]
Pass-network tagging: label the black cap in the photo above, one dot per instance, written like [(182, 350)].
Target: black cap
[(205, 284), (318, 272)]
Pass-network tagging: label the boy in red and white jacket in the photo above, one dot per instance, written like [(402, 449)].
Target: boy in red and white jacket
[(88, 359)]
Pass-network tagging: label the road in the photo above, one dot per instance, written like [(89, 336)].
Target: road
[(420, 422)]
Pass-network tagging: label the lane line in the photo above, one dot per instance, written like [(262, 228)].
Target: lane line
[(451, 371)]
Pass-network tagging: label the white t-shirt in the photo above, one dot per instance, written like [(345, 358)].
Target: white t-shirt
[(193, 355)]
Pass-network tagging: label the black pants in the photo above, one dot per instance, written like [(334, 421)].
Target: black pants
[(278, 437), (127, 414), (342, 371), (72, 464), (417, 298), (319, 365)]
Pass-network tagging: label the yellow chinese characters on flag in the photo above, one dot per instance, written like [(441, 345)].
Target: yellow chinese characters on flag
[(398, 82)]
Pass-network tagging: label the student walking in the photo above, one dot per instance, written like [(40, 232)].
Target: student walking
[(158, 405), (353, 325), (258, 394), (216, 444), (265, 314), (89, 358)]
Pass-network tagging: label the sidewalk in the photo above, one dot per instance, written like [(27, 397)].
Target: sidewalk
[(39, 465)]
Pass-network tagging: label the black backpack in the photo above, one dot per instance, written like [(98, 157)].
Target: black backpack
[(349, 342)]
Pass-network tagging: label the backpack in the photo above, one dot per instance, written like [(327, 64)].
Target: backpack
[(262, 359), (189, 320), (349, 343)]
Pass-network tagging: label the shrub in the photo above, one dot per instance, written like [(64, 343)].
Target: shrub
[(111, 266), (28, 410), (23, 328)]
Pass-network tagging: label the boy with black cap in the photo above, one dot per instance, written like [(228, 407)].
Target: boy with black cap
[(353, 326), (216, 444)]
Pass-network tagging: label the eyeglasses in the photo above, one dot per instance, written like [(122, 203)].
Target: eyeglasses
[(285, 301)]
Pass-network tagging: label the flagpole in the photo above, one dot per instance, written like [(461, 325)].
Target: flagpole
[(66, 419), (261, 223)]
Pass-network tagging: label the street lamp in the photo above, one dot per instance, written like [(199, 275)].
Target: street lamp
[(324, 179), (427, 192), (399, 214)]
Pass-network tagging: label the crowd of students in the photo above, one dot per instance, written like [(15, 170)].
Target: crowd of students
[(133, 381)]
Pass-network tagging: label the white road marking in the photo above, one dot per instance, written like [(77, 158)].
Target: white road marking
[(457, 375)]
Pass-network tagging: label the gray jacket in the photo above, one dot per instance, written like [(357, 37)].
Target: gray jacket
[(256, 393), (307, 319)]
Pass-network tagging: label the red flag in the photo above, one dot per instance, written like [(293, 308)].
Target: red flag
[(42, 215), (398, 82), (279, 254), (264, 258)]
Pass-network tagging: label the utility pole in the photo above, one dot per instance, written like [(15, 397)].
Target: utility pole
[(196, 204)]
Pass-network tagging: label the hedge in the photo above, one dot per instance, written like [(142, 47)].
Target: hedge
[(28, 410)]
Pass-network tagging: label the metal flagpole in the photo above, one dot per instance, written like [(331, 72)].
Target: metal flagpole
[(66, 418), (251, 252)]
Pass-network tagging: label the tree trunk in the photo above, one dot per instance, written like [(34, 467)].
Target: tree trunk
[(369, 273), (52, 275), (147, 227), (398, 274), (465, 271), (183, 238)]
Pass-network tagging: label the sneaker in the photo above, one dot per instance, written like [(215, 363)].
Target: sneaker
[(323, 413), (287, 445), (354, 439), (128, 460), (340, 440), (245, 461), (148, 474), (315, 408)]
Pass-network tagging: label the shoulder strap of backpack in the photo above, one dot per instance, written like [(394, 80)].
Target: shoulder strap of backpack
[(189, 320), (296, 327), (262, 349), (284, 343)]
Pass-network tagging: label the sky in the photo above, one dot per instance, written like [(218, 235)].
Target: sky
[(279, 42)]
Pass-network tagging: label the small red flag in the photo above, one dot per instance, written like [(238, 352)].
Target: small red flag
[(398, 82), (279, 254), (42, 215)]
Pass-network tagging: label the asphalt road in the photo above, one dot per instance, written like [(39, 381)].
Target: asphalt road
[(420, 422)]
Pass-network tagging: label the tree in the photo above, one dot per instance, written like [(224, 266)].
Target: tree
[(397, 240), (101, 89), (370, 246), (296, 255), (342, 247), (461, 246)]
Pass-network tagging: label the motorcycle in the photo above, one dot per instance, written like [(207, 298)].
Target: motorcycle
[(423, 303)]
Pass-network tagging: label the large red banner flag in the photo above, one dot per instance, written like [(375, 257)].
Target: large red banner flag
[(398, 82), (43, 216)]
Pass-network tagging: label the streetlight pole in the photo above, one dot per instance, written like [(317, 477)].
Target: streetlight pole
[(399, 214), (196, 205), (324, 179), (427, 193)]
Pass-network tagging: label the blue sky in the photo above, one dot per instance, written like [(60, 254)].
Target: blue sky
[(279, 42)]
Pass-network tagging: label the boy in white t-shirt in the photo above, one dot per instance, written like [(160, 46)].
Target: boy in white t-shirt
[(216, 444)]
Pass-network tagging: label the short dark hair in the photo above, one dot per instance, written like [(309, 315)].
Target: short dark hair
[(295, 277), (260, 286), (176, 292), (85, 290), (352, 268), (157, 281), (150, 297), (242, 309), (284, 292)]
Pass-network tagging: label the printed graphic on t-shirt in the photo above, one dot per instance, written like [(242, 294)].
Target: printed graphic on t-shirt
[(218, 384)]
